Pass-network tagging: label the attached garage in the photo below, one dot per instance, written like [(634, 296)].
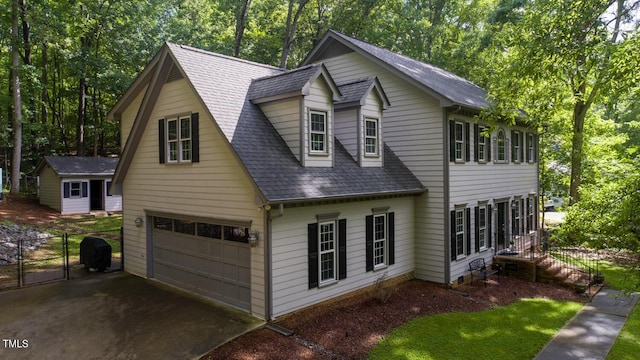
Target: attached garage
[(210, 258)]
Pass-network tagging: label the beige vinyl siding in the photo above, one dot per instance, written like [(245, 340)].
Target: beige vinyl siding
[(319, 99), (290, 251), (346, 130), (216, 187), (285, 117), (129, 116), (372, 109), (50, 189), (413, 127)]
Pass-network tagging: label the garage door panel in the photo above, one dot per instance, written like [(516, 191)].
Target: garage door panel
[(212, 267)]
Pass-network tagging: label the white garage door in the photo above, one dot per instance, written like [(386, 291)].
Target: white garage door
[(210, 259)]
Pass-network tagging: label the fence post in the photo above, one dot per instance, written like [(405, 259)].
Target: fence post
[(65, 241), (20, 265), (121, 248)]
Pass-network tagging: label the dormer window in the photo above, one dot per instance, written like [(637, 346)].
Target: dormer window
[(371, 139), (318, 132)]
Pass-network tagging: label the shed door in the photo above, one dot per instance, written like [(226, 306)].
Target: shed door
[(204, 258)]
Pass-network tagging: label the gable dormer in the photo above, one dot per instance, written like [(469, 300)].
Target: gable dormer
[(299, 104), (358, 120)]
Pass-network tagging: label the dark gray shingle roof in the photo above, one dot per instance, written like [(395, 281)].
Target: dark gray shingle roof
[(355, 90), (283, 83), (450, 86), (223, 84), (78, 166)]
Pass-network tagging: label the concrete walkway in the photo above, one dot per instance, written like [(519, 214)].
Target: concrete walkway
[(594, 329)]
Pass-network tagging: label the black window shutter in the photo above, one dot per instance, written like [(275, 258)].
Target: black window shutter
[(467, 232), (369, 243), (487, 141), (342, 249), (452, 140), (536, 144), (529, 159), (536, 212), (529, 219), (391, 227), (85, 189), (489, 232), (195, 138), (67, 190), (513, 218), (522, 147), (513, 146), (477, 227), (467, 143), (162, 152), (476, 137), (312, 235), (523, 213), (453, 235)]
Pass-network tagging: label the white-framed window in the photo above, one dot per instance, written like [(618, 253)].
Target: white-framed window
[(379, 240), (327, 251), (531, 148), (317, 132), (482, 146), (460, 232), (482, 226), (371, 137), (501, 146), (531, 203), (516, 141), (75, 189), (179, 134), (459, 141), (517, 216)]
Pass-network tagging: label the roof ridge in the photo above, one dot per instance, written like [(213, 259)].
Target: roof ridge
[(287, 72), (227, 57)]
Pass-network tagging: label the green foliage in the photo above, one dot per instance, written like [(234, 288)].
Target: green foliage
[(516, 331), (607, 216)]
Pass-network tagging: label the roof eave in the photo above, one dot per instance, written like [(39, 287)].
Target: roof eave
[(411, 192)]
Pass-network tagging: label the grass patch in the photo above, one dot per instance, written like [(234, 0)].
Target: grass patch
[(627, 345), (517, 331), (105, 227)]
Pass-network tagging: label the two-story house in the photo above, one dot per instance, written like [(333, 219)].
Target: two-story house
[(272, 190)]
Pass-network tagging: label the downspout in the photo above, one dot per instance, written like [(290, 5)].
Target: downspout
[(445, 159), (268, 264)]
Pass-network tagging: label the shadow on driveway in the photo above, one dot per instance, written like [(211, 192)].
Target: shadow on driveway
[(113, 316)]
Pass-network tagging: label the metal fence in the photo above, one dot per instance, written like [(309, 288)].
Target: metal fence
[(33, 261)]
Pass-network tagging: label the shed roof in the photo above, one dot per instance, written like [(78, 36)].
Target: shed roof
[(80, 166)]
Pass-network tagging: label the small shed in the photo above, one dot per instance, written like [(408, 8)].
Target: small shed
[(77, 185)]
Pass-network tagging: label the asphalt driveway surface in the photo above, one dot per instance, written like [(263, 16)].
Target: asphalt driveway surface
[(113, 316)]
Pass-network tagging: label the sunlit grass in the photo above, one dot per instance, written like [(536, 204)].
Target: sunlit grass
[(517, 331)]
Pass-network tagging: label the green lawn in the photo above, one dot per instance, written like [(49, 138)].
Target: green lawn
[(517, 331), (107, 227)]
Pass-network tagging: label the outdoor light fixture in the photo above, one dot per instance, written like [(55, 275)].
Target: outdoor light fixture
[(139, 221), (253, 238)]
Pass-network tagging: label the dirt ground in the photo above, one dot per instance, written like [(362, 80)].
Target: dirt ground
[(350, 327)]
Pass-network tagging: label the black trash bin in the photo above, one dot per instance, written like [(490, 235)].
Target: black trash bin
[(95, 253)]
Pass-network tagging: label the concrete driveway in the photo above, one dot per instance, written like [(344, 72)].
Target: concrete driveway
[(113, 316)]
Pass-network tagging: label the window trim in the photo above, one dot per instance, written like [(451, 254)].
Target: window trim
[(516, 144), (516, 212), (333, 252), (179, 140), (377, 265), (324, 133), (531, 148), (482, 240), (502, 145), (460, 234), (482, 146), (375, 137), (459, 142), (72, 190)]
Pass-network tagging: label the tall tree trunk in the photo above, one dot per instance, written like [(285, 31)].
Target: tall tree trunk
[(44, 94), (16, 158), (579, 113), (290, 32), (241, 15), (82, 98)]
